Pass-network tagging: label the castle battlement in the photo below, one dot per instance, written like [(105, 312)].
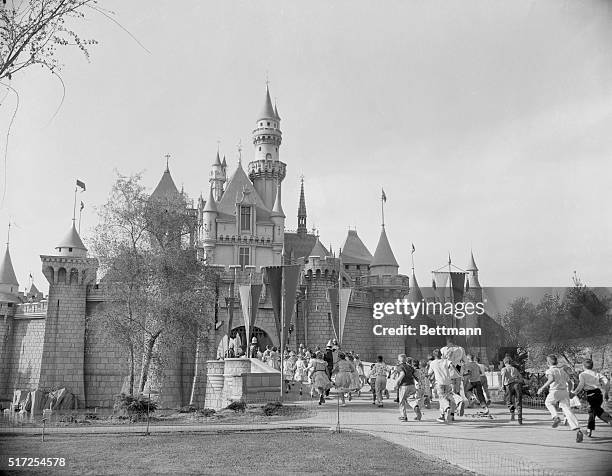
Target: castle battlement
[(31, 310), (267, 169), (321, 267)]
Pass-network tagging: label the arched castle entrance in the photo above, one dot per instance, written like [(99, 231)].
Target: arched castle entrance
[(263, 339)]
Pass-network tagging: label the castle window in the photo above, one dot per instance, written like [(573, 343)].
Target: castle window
[(346, 266), (244, 257), (245, 218), (70, 250), (268, 124), (358, 267), (259, 147)]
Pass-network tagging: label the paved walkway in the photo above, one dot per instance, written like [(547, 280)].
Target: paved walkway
[(485, 446)]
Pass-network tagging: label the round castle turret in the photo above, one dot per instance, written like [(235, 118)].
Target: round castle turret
[(266, 171)]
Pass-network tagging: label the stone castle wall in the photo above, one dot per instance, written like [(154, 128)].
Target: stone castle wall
[(23, 346)]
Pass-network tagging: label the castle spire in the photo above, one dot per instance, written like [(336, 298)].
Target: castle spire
[(384, 261), (267, 111), (8, 279), (301, 229)]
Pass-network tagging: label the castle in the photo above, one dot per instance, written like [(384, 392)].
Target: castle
[(50, 343)]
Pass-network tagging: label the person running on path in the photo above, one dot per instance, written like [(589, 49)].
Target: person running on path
[(301, 375), (381, 370), (474, 385), (343, 371), (442, 371), (424, 390), (512, 383), (592, 384), (329, 358), (557, 382), (483, 380), (317, 370), (407, 389)]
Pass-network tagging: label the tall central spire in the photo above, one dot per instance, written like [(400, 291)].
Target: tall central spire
[(301, 229)]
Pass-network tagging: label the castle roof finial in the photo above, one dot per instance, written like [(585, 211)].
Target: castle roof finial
[(267, 112), (167, 156), (301, 216)]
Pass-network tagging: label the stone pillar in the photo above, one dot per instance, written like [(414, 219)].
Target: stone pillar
[(233, 390), (214, 384)]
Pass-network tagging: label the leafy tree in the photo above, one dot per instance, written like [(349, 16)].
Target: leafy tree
[(31, 31), (566, 325), (158, 294)]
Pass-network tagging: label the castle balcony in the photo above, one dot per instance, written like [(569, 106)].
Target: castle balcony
[(245, 239), (267, 168), (31, 310), (386, 281)]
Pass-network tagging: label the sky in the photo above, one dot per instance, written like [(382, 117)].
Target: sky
[(487, 123)]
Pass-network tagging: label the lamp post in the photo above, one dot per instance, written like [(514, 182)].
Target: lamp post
[(154, 392)]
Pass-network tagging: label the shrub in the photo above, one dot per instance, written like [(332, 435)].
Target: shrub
[(272, 408), (207, 412), (187, 409), (128, 405), (238, 406)]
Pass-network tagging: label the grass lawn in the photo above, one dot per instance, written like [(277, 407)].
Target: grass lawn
[(264, 452)]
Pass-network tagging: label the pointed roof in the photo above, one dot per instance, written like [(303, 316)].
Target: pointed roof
[(166, 186), (267, 111), (7, 272), (383, 256), (33, 289), (210, 205), (217, 159), (224, 163), (319, 250), (276, 112), (235, 190), (472, 266), (414, 294), (302, 211), (277, 209), (354, 251), (72, 240)]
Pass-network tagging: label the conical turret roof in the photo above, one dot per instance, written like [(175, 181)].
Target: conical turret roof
[(33, 290), (414, 294), (72, 240), (224, 163), (383, 256), (217, 160), (267, 111), (276, 112), (319, 250), (472, 266), (210, 205), (354, 251), (166, 186), (7, 272)]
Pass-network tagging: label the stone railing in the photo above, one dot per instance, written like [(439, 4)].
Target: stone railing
[(386, 280)]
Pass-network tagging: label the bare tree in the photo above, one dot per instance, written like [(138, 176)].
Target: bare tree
[(31, 31)]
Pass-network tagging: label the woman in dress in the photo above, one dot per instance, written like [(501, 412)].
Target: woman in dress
[(355, 378), (289, 370), (343, 370), (317, 370), (301, 375), (274, 360)]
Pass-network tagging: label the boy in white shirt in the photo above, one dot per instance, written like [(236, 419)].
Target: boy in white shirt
[(557, 381), (443, 372)]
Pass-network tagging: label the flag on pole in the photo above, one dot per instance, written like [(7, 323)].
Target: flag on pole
[(413, 248), (82, 206), (80, 184), (384, 195)]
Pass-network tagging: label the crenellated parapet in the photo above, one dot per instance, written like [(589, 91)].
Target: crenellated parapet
[(267, 169), (325, 267), (69, 270), (393, 282)]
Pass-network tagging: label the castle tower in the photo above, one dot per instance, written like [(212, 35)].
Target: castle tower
[(266, 171), (218, 177), (68, 271), (209, 225), (301, 216), (474, 290), (355, 256), (384, 261)]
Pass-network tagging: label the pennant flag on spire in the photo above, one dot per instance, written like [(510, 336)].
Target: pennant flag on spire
[(82, 206), (80, 184), (413, 248), (384, 195)]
